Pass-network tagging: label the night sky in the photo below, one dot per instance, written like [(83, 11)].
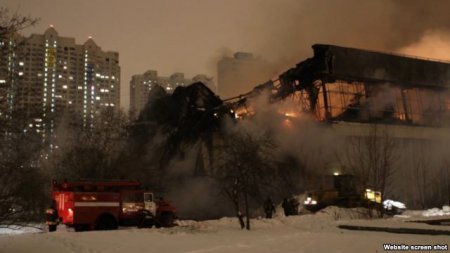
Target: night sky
[(190, 35)]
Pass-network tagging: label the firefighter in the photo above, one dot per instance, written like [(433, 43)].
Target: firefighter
[(286, 207), (294, 205), (269, 208), (52, 217)]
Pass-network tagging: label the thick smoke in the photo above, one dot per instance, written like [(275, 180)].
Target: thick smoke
[(291, 26), (283, 31), (434, 44)]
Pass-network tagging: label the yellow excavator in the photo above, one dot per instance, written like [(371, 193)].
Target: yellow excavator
[(343, 194)]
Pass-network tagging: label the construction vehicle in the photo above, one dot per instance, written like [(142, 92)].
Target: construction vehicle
[(342, 194), (105, 205)]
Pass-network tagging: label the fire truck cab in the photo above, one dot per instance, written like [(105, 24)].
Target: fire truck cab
[(104, 205)]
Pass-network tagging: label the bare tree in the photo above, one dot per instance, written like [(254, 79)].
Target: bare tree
[(445, 181), (21, 181), (246, 170), (10, 25), (371, 158), (85, 152)]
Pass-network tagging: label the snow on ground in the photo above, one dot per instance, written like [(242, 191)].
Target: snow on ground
[(305, 233), (437, 212), (17, 230)]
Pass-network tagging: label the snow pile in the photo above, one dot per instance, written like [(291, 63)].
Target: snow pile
[(323, 220), (437, 212), (17, 230), (339, 213)]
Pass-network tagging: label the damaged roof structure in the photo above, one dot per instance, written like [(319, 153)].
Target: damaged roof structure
[(354, 85)]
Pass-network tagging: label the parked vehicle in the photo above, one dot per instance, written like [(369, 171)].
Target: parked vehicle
[(104, 205), (344, 194)]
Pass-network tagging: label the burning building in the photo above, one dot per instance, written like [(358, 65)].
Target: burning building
[(350, 85), (354, 91)]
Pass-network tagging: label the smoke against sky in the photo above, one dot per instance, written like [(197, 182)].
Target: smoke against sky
[(434, 44), (190, 35)]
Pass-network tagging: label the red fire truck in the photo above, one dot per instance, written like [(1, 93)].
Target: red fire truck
[(104, 205)]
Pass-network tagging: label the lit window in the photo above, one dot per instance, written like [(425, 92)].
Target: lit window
[(20, 73), (21, 63), (97, 98), (64, 86)]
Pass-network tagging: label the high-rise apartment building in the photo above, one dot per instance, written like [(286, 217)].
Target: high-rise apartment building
[(239, 74), (141, 85), (46, 75)]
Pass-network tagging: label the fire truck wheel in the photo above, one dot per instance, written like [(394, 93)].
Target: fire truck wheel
[(51, 228), (167, 219), (106, 222)]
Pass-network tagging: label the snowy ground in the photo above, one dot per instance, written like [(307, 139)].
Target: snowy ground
[(306, 233)]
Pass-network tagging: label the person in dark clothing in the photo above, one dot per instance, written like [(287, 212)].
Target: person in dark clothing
[(294, 206), (286, 207), (269, 208)]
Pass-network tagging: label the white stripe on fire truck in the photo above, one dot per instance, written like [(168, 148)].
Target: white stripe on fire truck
[(96, 204)]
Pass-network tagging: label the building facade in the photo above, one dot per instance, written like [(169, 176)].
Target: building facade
[(47, 75), (141, 85), (383, 117), (239, 74)]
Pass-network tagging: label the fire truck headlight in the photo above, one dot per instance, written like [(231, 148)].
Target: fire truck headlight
[(70, 211)]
